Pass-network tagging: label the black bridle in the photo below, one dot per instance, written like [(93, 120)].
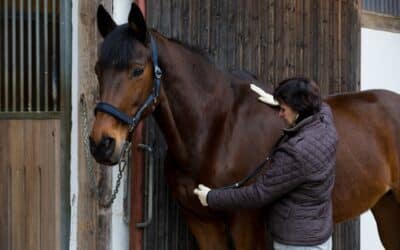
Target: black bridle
[(133, 121)]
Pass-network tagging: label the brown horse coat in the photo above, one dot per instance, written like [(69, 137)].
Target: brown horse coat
[(217, 132)]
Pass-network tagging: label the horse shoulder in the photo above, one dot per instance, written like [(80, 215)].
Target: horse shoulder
[(253, 129)]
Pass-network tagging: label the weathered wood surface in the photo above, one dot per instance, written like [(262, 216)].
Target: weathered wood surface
[(29, 180), (94, 222)]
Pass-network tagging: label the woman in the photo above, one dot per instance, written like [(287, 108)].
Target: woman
[(297, 185)]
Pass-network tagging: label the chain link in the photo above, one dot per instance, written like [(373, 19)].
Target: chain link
[(122, 163)]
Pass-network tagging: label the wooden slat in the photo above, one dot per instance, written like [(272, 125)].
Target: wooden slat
[(5, 188), (33, 144), (293, 38), (285, 39), (299, 38), (253, 38), (222, 22), (271, 36), (213, 31), (308, 38), (56, 165), (278, 45), (48, 163), (376, 21), (194, 22), (46, 190), (18, 195), (245, 25), (320, 44)]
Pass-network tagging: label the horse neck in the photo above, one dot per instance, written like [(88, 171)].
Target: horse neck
[(194, 97)]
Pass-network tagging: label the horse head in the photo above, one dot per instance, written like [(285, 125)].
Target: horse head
[(128, 91)]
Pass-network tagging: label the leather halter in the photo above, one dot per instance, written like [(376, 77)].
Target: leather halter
[(132, 121)]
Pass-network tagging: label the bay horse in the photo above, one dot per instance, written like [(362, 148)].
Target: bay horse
[(217, 132)]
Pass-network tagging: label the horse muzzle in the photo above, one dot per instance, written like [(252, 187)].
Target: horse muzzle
[(104, 151)]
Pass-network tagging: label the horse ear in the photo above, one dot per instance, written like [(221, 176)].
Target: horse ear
[(137, 23), (105, 23)]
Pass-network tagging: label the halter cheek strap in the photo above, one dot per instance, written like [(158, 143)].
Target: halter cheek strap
[(151, 99)]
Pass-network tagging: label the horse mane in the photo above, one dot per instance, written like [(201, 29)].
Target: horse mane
[(195, 49)]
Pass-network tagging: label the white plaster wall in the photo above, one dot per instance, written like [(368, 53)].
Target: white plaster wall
[(380, 60), (119, 229), (74, 129)]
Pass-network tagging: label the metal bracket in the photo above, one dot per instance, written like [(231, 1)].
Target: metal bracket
[(150, 187)]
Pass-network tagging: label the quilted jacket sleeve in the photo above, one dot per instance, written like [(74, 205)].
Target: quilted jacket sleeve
[(283, 175)]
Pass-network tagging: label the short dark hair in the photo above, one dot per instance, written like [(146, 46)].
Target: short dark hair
[(301, 94)]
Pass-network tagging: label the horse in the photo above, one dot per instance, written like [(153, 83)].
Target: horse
[(217, 132)]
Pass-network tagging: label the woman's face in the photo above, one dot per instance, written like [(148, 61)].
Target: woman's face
[(287, 114)]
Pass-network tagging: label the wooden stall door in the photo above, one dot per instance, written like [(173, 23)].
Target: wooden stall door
[(29, 184)]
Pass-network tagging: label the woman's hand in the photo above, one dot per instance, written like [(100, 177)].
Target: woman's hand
[(202, 191)]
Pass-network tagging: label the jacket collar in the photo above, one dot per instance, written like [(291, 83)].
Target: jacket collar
[(303, 123)]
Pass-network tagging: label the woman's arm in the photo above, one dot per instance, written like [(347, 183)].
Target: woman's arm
[(283, 175)]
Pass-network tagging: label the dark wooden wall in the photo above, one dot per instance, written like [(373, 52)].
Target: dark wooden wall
[(273, 40)]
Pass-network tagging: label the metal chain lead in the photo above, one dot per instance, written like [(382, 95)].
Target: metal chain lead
[(123, 160)]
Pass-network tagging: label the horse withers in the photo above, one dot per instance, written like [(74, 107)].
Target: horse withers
[(217, 132)]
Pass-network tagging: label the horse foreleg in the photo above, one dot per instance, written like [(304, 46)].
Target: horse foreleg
[(387, 215), (209, 234), (248, 230)]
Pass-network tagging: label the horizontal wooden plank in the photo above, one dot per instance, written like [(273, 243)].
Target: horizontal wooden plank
[(377, 21)]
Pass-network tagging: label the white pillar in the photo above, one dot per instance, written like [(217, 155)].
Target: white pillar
[(74, 149), (119, 229)]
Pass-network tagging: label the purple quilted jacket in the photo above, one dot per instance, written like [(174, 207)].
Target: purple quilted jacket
[(295, 189)]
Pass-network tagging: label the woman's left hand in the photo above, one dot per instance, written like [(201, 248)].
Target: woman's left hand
[(202, 191)]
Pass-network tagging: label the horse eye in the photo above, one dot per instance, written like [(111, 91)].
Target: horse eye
[(137, 72)]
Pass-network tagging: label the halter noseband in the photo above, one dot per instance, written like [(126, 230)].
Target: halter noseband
[(151, 99)]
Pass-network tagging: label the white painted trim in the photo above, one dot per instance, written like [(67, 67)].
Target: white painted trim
[(121, 11), (119, 229), (74, 149)]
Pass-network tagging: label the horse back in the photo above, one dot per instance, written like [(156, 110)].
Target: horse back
[(368, 163)]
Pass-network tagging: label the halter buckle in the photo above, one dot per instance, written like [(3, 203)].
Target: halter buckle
[(157, 72), (132, 125)]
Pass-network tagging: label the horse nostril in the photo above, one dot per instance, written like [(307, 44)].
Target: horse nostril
[(103, 150), (106, 146)]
